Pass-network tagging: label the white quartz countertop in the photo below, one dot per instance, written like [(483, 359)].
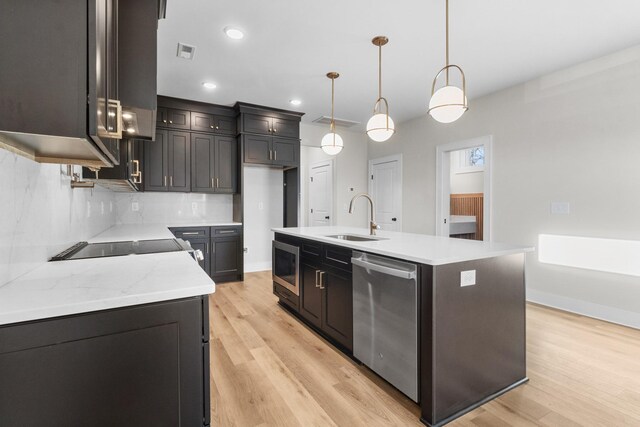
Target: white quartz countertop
[(78, 286), (420, 248)]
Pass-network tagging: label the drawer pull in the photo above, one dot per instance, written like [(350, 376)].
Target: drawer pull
[(226, 231)]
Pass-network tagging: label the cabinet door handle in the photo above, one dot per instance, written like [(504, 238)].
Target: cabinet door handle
[(275, 130), (171, 121), (322, 273), (212, 185), (270, 130), (165, 180), (317, 284), (275, 154), (190, 233), (226, 231), (217, 183), (211, 126), (164, 121), (206, 245), (270, 155), (217, 127), (171, 181)]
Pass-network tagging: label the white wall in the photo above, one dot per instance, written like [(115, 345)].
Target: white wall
[(173, 208), (263, 210), (467, 182), (40, 215), (574, 136), (350, 172)]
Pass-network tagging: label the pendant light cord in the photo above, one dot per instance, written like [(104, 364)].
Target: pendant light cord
[(333, 124), (379, 71), (447, 41)]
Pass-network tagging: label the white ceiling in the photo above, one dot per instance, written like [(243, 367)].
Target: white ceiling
[(291, 44)]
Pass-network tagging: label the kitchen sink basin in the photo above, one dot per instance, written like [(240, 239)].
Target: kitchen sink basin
[(355, 237)]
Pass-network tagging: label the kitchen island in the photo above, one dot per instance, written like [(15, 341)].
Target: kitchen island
[(120, 340), (468, 311)]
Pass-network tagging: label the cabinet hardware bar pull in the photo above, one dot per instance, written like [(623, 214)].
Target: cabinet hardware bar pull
[(217, 182), (317, 272), (270, 155), (226, 231), (275, 154), (322, 273), (171, 181), (165, 180), (190, 233), (212, 185), (206, 245)]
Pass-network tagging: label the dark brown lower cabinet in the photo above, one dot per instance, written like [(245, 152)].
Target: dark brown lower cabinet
[(226, 258), (142, 365), (310, 294), (325, 299), (337, 307)]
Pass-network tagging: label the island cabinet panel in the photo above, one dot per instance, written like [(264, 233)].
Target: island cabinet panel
[(310, 294), (477, 338), (141, 365), (325, 300), (337, 315)]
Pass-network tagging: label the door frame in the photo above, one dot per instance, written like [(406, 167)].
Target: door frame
[(443, 182), (393, 157), (331, 163)]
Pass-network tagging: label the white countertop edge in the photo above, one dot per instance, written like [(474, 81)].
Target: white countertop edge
[(88, 307), (363, 246)]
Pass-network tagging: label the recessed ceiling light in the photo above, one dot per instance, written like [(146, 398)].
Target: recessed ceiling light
[(233, 33), (209, 85), (295, 102)]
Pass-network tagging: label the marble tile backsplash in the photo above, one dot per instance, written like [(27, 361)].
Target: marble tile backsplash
[(41, 215), (172, 208)]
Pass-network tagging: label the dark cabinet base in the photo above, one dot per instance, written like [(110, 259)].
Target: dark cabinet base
[(142, 365)]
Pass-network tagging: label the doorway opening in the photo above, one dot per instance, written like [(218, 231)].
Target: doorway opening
[(385, 187), (321, 193), (463, 189)]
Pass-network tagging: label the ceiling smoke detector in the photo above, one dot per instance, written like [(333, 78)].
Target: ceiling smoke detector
[(186, 51)]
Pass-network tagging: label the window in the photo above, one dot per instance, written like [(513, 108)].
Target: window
[(469, 160)]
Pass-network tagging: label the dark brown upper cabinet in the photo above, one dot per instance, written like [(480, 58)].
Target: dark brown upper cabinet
[(175, 119), (167, 162), (215, 124), (266, 150), (213, 164), (59, 84), (267, 125)]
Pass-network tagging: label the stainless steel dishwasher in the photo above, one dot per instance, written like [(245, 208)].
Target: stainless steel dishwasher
[(385, 319)]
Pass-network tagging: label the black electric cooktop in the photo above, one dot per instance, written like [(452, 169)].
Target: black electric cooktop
[(85, 250)]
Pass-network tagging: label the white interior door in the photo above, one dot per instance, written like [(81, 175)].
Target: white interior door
[(385, 187), (321, 194)]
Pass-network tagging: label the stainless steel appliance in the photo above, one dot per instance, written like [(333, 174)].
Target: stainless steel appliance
[(84, 250), (286, 265), (385, 319)]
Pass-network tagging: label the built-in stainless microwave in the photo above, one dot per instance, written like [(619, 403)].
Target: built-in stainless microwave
[(286, 265)]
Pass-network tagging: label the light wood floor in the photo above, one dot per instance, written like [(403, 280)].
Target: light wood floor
[(268, 369)]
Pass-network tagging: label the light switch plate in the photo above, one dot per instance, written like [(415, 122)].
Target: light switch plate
[(467, 278)]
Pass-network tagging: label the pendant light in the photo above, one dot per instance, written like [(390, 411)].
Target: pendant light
[(448, 103), (380, 127), (332, 142)]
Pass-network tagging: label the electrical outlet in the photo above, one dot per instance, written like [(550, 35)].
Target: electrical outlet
[(560, 208), (467, 278), (135, 207), (194, 206)]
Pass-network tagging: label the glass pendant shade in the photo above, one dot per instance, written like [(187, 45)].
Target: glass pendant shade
[(377, 128), (332, 143), (448, 104)]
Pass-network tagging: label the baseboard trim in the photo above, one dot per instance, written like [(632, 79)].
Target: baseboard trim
[(257, 266), (585, 308)]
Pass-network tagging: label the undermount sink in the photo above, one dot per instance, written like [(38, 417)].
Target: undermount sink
[(355, 237)]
